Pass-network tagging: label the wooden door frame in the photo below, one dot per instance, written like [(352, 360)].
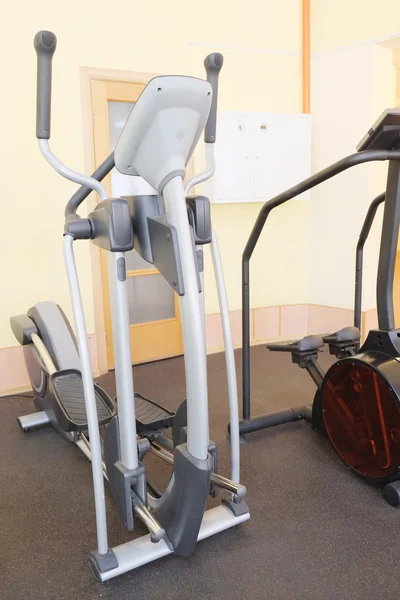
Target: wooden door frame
[(87, 75)]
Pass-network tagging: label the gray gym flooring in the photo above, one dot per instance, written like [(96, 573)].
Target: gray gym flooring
[(316, 531)]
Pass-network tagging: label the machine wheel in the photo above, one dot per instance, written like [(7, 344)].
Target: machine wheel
[(391, 493)]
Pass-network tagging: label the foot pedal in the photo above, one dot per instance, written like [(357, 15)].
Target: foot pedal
[(345, 335), (303, 351), (308, 344), (150, 416), (345, 342), (69, 401)]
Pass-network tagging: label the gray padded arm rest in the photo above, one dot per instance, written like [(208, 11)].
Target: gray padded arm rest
[(306, 344), (347, 334), (23, 327)]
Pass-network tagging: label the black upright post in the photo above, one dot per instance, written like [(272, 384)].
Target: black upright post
[(360, 255), (358, 291), (387, 254), (246, 338)]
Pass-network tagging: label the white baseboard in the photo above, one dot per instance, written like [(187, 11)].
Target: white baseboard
[(13, 375), (267, 324)]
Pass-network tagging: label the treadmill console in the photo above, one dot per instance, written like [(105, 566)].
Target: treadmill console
[(384, 133)]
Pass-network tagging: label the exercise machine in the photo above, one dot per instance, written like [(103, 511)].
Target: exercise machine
[(357, 403), (342, 343), (156, 143)]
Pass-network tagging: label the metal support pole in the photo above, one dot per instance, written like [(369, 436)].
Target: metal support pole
[(90, 401), (123, 359), (229, 358), (192, 326), (387, 255)]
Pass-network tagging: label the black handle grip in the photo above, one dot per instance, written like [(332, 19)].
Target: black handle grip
[(45, 43), (213, 64)]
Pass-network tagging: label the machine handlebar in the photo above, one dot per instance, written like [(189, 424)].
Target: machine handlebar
[(45, 44), (213, 65)]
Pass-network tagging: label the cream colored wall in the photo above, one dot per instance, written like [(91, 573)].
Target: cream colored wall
[(278, 268), (350, 89), (159, 37), (353, 81), (343, 22)]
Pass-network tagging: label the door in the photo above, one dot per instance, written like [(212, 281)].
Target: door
[(155, 329)]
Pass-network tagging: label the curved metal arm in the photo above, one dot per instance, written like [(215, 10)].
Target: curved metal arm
[(69, 173), (207, 174), (83, 192), (338, 167), (213, 65), (45, 43)]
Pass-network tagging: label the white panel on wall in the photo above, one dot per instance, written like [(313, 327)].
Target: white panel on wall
[(259, 155), (282, 148), (232, 150)]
